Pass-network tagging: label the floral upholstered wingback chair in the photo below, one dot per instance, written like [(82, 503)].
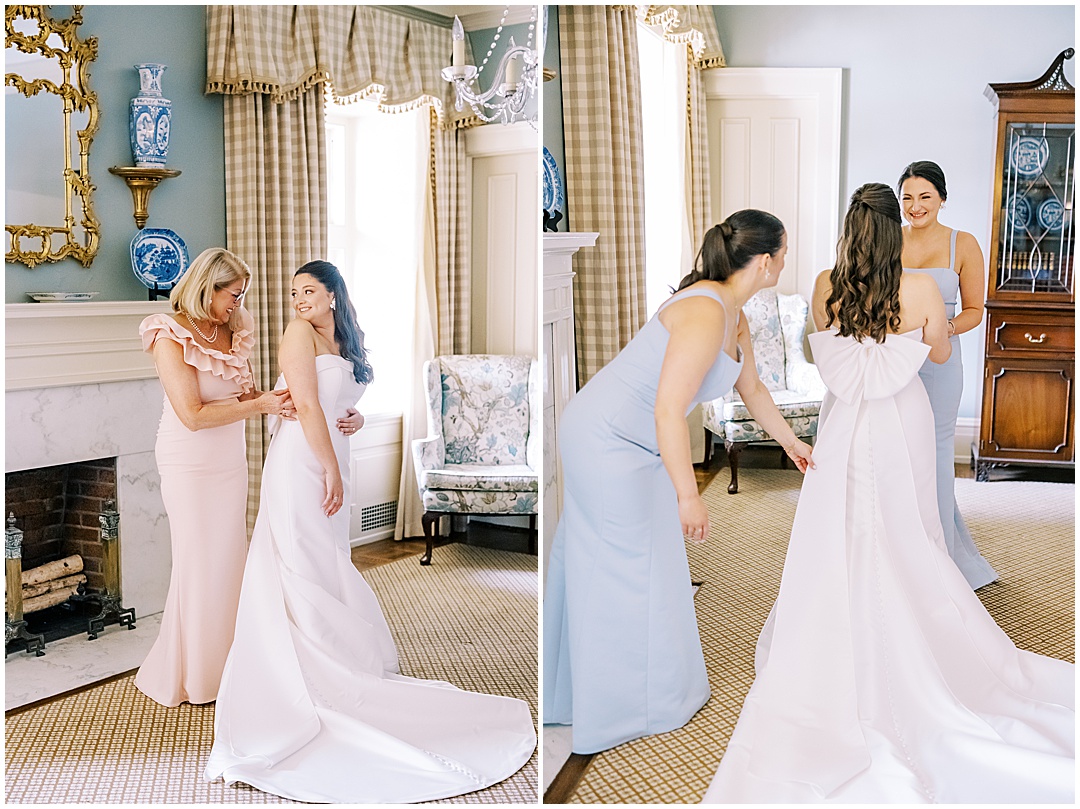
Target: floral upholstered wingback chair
[(483, 452), (777, 328)]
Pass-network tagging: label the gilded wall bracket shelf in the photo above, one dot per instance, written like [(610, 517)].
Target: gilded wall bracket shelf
[(142, 181)]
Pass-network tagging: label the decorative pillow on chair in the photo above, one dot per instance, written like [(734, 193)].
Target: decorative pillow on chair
[(767, 338), (485, 408)]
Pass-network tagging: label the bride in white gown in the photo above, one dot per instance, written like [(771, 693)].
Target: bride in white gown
[(311, 705), (880, 676)]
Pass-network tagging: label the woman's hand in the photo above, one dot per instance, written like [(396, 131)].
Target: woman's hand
[(335, 492), (694, 517), (800, 454), (275, 403), (350, 422)]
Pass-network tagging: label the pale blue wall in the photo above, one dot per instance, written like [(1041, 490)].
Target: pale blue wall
[(552, 90), (193, 204)]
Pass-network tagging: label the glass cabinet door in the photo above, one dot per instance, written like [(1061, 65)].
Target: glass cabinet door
[(1035, 240)]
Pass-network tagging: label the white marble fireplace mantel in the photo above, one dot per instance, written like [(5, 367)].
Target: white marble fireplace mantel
[(79, 387)]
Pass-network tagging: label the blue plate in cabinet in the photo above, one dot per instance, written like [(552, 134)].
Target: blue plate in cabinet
[(1028, 155), (1051, 213)]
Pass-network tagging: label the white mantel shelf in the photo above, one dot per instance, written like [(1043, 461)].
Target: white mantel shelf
[(50, 345), (567, 243)]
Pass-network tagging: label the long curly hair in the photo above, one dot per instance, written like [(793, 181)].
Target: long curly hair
[(729, 246), (346, 329), (865, 296)]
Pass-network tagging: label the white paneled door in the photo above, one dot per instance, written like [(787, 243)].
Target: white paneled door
[(505, 222), (774, 144)]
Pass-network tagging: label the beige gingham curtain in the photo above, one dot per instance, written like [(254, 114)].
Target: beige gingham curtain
[(602, 130), (275, 184), (452, 281), (695, 27), (277, 66)]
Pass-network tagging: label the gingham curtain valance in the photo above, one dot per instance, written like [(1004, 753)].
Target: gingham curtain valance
[(693, 25), (356, 51)]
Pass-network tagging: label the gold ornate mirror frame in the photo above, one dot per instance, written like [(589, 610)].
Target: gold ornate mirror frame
[(58, 242)]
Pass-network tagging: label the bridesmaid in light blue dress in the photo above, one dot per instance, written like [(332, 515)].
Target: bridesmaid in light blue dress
[(622, 655), (926, 242)]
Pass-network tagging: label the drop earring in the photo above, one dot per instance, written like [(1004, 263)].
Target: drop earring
[(333, 303)]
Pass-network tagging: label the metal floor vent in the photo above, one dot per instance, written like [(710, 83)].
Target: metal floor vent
[(378, 516)]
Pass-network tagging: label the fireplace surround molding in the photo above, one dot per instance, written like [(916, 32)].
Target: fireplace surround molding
[(56, 344), (78, 388)]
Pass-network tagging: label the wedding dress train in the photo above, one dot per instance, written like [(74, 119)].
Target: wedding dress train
[(880, 676), (311, 705)]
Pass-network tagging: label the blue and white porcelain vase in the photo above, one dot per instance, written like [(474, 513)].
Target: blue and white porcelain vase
[(151, 119)]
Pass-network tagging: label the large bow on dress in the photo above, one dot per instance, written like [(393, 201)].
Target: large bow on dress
[(855, 370), (807, 721)]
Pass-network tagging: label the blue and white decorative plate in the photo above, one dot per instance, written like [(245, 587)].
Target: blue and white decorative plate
[(1019, 211), (1051, 213), (158, 257), (554, 194), (1028, 155)]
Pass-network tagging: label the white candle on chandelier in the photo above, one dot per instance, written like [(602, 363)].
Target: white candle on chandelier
[(513, 71), (458, 57)]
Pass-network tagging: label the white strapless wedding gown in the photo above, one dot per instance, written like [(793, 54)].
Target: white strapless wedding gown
[(880, 676), (311, 705)]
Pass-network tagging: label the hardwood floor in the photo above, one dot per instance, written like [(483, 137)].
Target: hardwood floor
[(487, 535)]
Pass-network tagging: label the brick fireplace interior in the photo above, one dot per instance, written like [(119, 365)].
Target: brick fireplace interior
[(57, 509)]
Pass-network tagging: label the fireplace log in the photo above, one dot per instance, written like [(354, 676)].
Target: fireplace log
[(35, 590), (48, 600), (58, 569)]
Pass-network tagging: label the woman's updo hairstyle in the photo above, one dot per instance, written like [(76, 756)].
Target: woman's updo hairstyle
[(865, 296), (927, 170), (732, 244)]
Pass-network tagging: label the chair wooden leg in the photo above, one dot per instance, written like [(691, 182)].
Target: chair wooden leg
[(533, 535), (708, 447), (733, 450), (430, 521)]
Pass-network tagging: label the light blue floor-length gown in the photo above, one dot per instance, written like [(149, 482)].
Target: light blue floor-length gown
[(622, 654), (944, 384)]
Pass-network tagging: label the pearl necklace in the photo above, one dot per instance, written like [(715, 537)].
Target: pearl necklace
[(194, 325)]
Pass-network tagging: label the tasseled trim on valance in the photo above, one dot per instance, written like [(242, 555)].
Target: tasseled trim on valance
[(285, 51), (693, 26)]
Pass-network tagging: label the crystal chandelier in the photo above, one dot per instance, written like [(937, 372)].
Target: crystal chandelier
[(515, 79)]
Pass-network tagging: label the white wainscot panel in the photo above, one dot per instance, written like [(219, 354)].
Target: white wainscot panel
[(734, 191)]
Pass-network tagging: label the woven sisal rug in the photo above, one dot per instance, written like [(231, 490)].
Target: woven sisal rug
[(1024, 529), (469, 619)]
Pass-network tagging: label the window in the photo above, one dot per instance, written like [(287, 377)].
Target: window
[(377, 176), (668, 252)]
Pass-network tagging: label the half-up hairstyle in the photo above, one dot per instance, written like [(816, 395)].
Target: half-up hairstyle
[(346, 329), (731, 245), (927, 170), (865, 296)]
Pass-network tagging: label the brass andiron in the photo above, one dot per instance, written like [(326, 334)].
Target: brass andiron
[(14, 625), (109, 600)]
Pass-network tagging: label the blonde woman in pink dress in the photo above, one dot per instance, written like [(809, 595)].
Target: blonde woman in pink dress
[(202, 353)]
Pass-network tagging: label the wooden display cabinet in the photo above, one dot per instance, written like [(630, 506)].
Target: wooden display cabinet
[(1028, 394)]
